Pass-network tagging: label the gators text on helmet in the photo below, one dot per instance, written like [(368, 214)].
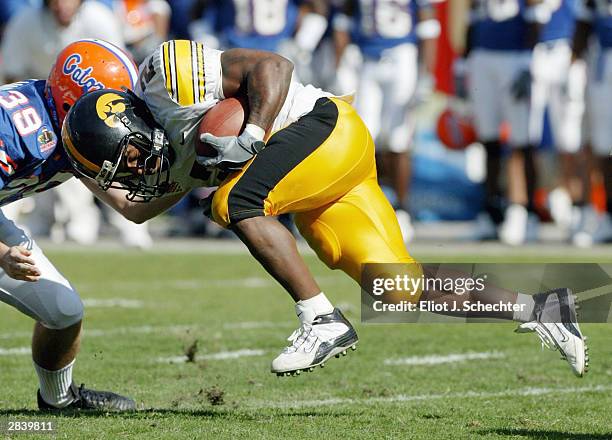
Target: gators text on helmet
[(85, 66)]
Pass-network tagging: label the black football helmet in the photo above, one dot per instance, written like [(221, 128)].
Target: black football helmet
[(96, 132)]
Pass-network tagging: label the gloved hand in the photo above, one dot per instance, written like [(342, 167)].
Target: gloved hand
[(521, 85), (234, 151)]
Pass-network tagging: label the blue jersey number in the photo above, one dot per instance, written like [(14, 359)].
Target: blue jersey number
[(25, 119), (386, 18), (263, 17)]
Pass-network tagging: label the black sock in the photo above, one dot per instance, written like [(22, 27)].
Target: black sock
[(494, 202)]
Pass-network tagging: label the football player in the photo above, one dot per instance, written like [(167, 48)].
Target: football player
[(501, 36), (318, 164), (595, 16), (291, 27), (558, 86), (31, 161), (388, 34)]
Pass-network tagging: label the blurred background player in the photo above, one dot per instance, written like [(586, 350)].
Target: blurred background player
[(144, 24), (388, 34), (501, 37), (32, 40), (557, 92), (595, 17), (293, 28), (32, 161)]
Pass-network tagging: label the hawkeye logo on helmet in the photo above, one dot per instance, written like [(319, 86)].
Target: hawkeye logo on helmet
[(79, 76), (109, 108)]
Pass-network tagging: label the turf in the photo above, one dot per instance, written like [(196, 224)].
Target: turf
[(199, 305)]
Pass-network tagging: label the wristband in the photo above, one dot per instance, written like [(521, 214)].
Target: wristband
[(538, 14), (342, 22), (255, 131), (428, 29)]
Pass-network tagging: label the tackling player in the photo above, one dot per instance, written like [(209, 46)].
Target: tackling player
[(388, 34), (318, 164), (32, 161)]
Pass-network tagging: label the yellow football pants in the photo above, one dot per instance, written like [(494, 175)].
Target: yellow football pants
[(322, 169)]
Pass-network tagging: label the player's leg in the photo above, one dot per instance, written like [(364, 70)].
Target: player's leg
[(369, 97), (521, 173), (370, 217), (79, 213), (484, 92), (399, 89), (566, 110), (309, 164), (598, 228), (306, 165), (541, 88), (365, 213), (275, 248), (58, 312)]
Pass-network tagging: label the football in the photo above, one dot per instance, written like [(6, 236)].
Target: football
[(226, 118)]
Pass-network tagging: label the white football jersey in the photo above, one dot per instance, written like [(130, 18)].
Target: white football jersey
[(180, 81)]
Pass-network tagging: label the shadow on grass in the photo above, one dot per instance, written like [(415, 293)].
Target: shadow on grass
[(546, 434)]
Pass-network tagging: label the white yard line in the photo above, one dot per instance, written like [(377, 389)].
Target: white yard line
[(444, 359), (161, 329), (15, 351), (113, 303), (220, 356), (253, 282), (247, 325), (520, 392)]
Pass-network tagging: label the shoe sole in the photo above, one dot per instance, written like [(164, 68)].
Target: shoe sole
[(336, 352)]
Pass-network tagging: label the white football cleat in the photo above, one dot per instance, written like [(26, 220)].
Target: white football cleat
[(556, 325), (513, 231), (313, 344), (484, 228), (595, 229)]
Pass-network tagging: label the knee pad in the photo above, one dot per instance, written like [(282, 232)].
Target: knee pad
[(64, 308)]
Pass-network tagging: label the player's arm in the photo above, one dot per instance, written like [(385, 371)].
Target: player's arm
[(341, 23), (264, 78), (459, 25), (312, 24), (428, 31), (134, 211)]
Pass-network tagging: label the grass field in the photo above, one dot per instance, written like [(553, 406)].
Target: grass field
[(144, 312)]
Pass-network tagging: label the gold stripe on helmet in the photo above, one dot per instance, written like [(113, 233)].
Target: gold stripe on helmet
[(74, 152)]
